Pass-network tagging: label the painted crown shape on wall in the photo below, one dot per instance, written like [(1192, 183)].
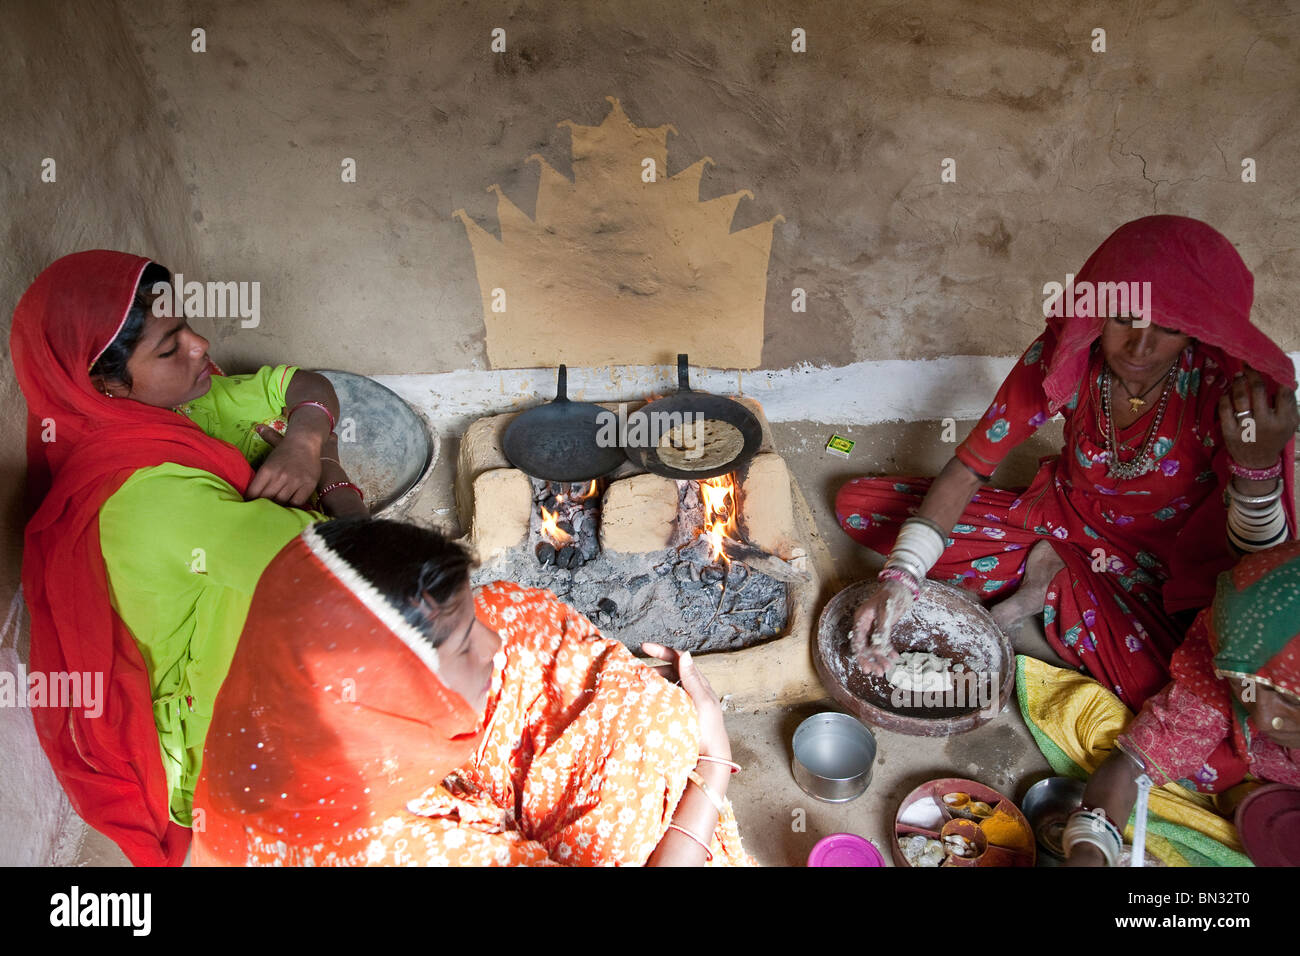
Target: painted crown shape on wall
[(615, 270)]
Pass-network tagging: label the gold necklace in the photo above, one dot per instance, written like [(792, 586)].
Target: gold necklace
[(1136, 401), (1142, 462)]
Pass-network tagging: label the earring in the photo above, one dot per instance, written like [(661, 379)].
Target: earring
[(1277, 723)]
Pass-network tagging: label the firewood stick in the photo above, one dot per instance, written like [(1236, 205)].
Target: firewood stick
[(764, 563)]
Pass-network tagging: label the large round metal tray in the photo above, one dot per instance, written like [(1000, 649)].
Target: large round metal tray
[(395, 448)]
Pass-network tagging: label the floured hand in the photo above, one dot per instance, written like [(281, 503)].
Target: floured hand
[(873, 622)]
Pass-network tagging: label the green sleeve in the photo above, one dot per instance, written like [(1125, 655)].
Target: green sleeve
[(183, 553), (236, 404)]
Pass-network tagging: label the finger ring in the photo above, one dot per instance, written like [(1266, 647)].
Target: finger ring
[(1244, 414)]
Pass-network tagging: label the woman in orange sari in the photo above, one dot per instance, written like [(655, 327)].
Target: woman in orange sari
[(379, 712)]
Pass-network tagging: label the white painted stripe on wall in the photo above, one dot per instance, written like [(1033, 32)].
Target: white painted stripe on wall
[(863, 393)]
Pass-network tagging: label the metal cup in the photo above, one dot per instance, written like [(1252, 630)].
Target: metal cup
[(833, 754)]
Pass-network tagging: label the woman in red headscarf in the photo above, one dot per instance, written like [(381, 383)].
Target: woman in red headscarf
[(143, 552), (1179, 447)]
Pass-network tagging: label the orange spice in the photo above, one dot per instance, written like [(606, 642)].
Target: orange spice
[(1004, 830)]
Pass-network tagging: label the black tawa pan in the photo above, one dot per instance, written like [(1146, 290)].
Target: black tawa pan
[(688, 403), (557, 441)]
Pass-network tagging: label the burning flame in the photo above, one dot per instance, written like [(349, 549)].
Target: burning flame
[(574, 494), (552, 531), (718, 496)]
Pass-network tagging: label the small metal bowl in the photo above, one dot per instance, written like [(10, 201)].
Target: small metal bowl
[(833, 754), (1047, 806)]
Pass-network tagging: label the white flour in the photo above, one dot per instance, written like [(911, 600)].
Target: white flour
[(928, 628), (922, 672)]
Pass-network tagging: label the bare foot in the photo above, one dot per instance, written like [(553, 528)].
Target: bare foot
[(1029, 639), (1042, 565)]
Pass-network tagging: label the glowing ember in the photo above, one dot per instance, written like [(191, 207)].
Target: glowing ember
[(718, 496), (552, 531)]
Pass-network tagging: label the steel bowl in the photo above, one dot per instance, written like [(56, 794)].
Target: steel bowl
[(833, 754), (1047, 805)]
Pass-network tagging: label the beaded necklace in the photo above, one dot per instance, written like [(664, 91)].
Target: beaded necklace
[(1142, 462)]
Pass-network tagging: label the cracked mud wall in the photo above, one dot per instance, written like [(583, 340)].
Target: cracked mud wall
[(1055, 146)]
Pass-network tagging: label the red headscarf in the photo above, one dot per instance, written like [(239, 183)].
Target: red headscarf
[(1199, 286), (331, 718), (81, 446)]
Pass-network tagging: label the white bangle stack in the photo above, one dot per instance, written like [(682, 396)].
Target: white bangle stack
[(918, 548), (1255, 522), (1092, 826)]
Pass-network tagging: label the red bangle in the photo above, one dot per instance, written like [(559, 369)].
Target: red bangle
[(1256, 474), (735, 767), (336, 485), (903, 578), (323, 408), (708, 853)]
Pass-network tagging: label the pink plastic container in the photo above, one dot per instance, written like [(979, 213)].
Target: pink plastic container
[(845, 849)]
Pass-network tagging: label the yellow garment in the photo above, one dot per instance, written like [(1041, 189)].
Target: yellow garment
[(1083, 719)]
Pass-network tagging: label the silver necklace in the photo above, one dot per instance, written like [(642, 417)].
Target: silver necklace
[(1142, 462)]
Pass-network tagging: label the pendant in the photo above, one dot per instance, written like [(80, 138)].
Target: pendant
[(1135, 404)]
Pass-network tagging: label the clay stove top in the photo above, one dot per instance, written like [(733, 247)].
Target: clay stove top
[(630, 553)]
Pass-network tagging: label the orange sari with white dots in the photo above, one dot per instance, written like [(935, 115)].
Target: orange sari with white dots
[(334, 743)]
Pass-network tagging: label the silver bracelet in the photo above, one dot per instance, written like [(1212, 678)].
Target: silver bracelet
[(918, 548), (1257, 500)]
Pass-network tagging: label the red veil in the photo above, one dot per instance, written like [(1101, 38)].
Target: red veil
[(1199, 286), (331, 718), (81, 446)]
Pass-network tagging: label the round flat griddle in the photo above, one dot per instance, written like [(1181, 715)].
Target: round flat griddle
[(557, 441), (978, 643), (685, 406)]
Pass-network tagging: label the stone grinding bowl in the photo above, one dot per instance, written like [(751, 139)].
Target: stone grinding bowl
[(395, 447), (978, 642)]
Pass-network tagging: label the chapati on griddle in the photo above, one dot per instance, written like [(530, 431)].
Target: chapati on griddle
[(711, 445)]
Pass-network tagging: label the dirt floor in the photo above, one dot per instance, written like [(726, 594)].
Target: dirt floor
[(779, 824)]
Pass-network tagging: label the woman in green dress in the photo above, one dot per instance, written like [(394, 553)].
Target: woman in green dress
[(161, 490)]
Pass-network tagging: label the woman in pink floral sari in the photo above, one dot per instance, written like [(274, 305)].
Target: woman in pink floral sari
[(1119, 537)]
